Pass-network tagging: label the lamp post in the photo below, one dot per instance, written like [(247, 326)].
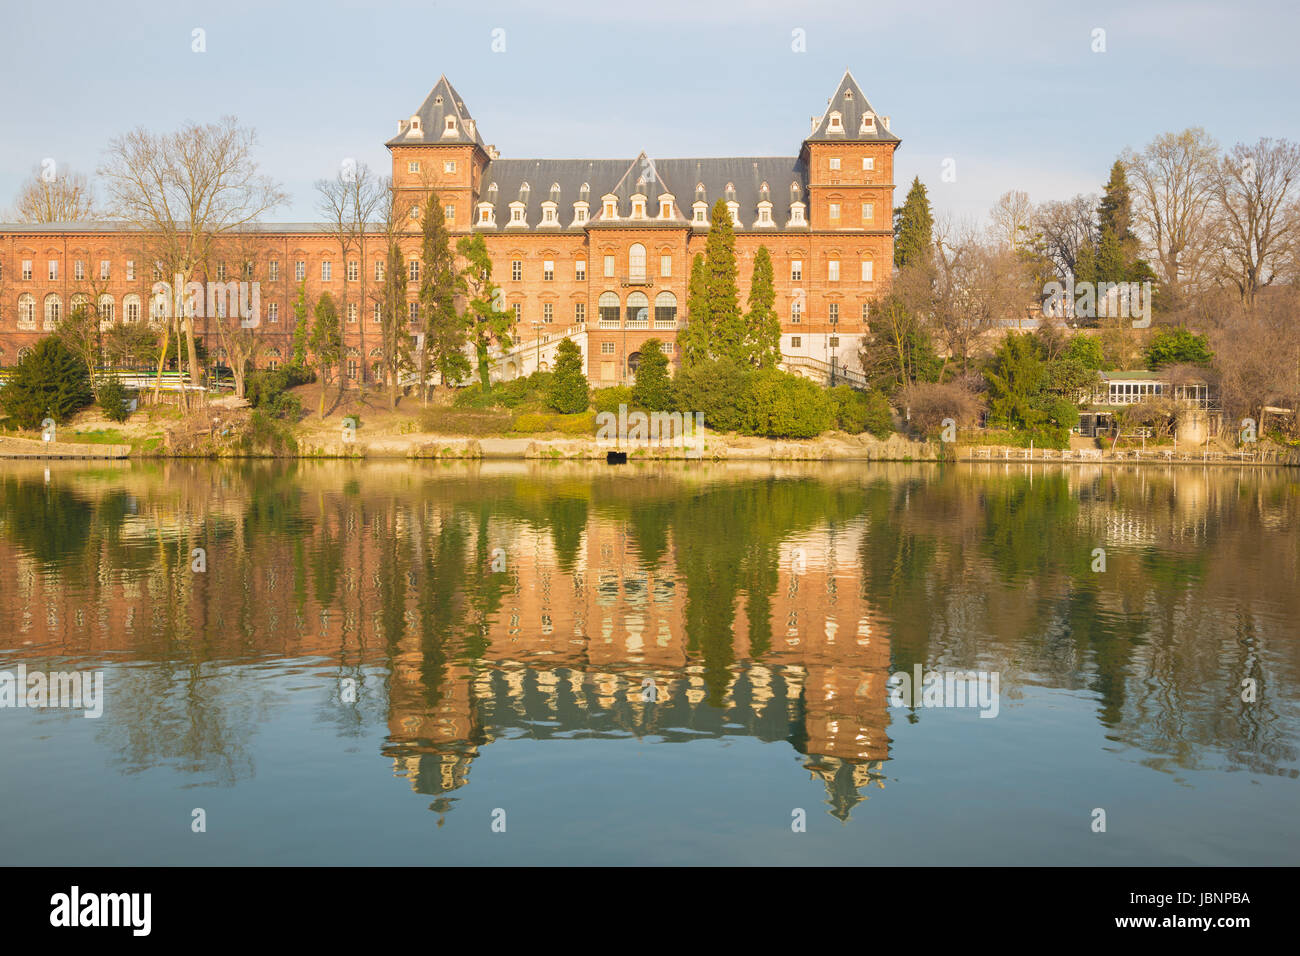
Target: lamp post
[(537, 340)]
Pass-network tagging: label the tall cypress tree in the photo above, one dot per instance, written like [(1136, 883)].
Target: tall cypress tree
[(1115, 211), (326, 341), (396, 337), (913, 227), (300, 330), (695, 337), (726, 324), (444, 328), (764, 328)]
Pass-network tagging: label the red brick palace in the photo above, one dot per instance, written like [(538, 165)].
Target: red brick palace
[(595, 249)]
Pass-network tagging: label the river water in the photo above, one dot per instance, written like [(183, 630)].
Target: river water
[(433, 663)]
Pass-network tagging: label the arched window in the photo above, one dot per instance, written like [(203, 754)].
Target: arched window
[(638, 309), (23, 352), (636, 263), (107, 310), (131, 308), (53, 311), (26, 311), (665, 310), (607, 306)]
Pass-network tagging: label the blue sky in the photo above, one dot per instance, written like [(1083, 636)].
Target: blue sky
[(1011, 92)]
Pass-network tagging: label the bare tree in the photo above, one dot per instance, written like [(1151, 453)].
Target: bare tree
[(49, 195), (1256, 189), (1061, 228), (186, 189), (1173, 185), (1011, 218)]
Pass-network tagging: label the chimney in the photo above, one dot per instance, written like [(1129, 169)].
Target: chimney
[(469, 127), (816, 121), (886, 120)]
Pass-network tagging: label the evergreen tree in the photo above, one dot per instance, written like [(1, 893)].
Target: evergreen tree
[(764, 327), (1115, 211), (51, 381), (444, 328), (326, 341), (568, 391), (726, 324), (488, 319), (695, 339), (653, 389), (394, 321), (301, 328), (913, 227)]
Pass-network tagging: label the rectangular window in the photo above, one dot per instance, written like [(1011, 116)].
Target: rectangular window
[(54, 269), (796, 341), (449, 213), (413, 270), (79, 270), (580, 270), (413, 166), (699, 214), (354, 270), (668, 348), (665, 266), (326, 271), (27, 270), (835, 162), (548, 312), (248, 272), (868, 212), (299, 270), (868, 162), (379, 270), (519, 312), (833, 270), (273, 270), (606, 348), (273, 312), (378, 313), (105, 270), (130, 270), (835, 341), (548, 270), (609, 267), (413, 312), (580, 312), (834, 210), (352, 312), (833, 310), (796, 312), (516, 269), (449, 166), (866, 311), (796, 270), (867, 269)]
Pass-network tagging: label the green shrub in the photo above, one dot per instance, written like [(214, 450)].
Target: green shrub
[(608, 399), (856, 412), (50, 381), (782, 405), (286, 407), (720, 389), (113, 398), (531, 422), (568, 391), (520, 392), (264, 387), (583, 423), (653, 390)]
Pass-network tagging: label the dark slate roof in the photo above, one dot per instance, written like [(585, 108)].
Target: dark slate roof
[(850, 102), (651, 177), (442, 101)]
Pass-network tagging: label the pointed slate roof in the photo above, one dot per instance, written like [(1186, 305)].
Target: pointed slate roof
[(852, 105), (442, 101)]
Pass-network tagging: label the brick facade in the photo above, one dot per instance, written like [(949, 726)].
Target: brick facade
[(612, 231)]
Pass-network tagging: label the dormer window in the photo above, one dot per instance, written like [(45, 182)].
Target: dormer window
[(638, 207), (437, 100), (796, 214), (450, 129), (731, 192), (699, 192), (868, 123), (584, 194), (848, 94), (665, 208), (610, 208), (734, 209), (517, 210), (415, 124), (549, 214), (765, 214), (834, 125), (579, 212), (486, 215), (701, 211)]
